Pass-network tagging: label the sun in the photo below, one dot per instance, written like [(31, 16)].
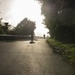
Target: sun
[(25, 8)]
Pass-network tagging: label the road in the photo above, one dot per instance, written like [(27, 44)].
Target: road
[(23, 58)]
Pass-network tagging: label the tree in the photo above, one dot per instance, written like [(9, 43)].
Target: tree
[(59, 18), (5, 27), (1, 30), (25, 27)]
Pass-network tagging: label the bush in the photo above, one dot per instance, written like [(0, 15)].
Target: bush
[(67, 50)]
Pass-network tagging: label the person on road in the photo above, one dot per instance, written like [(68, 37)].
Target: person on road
[(44, 36)]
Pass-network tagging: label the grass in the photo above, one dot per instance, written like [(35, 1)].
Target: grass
[(67, 50)]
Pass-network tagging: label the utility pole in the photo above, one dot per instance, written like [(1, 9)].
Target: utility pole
[(0, 10), (0, 16)]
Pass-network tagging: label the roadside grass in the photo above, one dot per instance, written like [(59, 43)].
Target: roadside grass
[(66, 50)]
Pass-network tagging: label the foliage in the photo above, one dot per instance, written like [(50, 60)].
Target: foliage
[(1, 30), (25, 27), (67, 50), (4, 29), (59, 18)]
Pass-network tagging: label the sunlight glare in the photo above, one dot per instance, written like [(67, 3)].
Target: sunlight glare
[(26, 8)]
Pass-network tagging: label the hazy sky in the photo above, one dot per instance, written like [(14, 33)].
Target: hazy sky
[(13, 11)]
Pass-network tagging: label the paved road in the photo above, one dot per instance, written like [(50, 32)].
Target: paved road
[(23, 58)]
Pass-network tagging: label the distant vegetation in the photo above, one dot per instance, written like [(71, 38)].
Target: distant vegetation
[(25, 27), (23, 30)]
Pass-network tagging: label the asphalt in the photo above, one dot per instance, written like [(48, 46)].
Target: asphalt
[(23, 58)]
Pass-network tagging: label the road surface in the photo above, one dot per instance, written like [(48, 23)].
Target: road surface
[(23, 58)]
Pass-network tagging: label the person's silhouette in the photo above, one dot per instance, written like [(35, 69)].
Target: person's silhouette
[(44, 36)]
